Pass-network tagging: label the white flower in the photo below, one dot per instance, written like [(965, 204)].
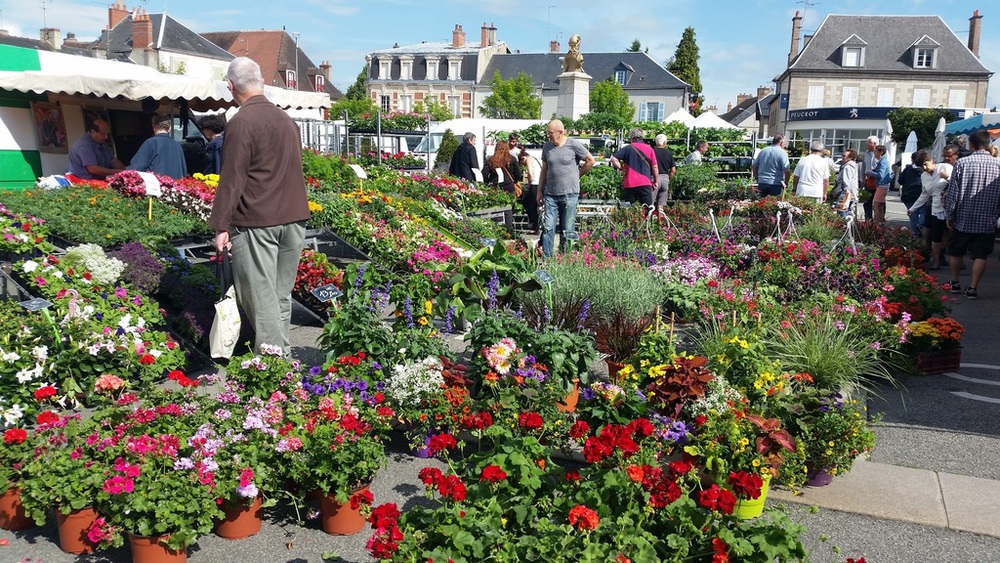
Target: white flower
[(12, 415), (40, 353), (30, 266), (9, 357), (126, 323)]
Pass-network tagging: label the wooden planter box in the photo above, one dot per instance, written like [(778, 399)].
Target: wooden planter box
[(938, 362)]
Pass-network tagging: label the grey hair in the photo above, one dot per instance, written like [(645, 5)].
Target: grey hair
[(777, 139), (245, 75), (661, 140), (636, 133), (468, 136), (872, 138), (816, 146)]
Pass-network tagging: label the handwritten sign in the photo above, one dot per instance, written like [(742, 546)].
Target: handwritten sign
[(488, 242), (359, 171), (544, 277), (327, 292), (36, 304), (152, 184)]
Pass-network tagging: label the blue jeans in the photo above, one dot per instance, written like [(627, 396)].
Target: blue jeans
[(559, 209)]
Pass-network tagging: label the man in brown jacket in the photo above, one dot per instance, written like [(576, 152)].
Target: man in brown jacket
[(261, 207)]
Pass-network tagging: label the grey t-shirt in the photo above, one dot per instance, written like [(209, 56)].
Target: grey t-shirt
[(562, 174)]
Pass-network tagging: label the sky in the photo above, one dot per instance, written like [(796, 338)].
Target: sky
[(743, 44)]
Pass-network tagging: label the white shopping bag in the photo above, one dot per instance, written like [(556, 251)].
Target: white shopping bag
[(226, 326)]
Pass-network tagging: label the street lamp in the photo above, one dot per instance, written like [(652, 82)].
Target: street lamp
[(296, 36)]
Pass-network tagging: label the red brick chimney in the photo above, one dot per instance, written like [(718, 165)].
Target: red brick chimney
[(142, 30), (763, 92), (729, 107), (484, 37), (742, 98), (116, 13), (553, 46), (975, 29), (796, 30), (458, 37)]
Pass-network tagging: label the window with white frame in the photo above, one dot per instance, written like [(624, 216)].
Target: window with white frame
[(406, 68), (432, 69), (455, 105), (921, 97), (923, 58), (852, 56), (406, 103), (815, 99), (383, 69), (454, 69), (849, 96), (620, 77), (320, 82), (290, 81), (956, 98), (651, 111), (385, 103), (886, 97)]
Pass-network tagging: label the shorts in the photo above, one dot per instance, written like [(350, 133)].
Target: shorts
[(978, 245), (937, 227), (880, 193), (642, 194)]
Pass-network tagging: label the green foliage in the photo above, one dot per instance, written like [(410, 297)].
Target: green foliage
[(684, 63), (610, 123), (351, 107), (636, 47), (357, 90), (438, 111), (691, 181), (449, 144), (923, 121), (608, 96), (329, 171), (602, 182), (512, 99)]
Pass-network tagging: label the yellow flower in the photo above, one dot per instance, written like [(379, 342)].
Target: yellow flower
[(422, 321), (428, 306)]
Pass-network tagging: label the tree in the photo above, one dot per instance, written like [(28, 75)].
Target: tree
[(512, 99), (446, 150), (608, 96), (438, 111), (636, 47), (357, 91), (922, 121), (354, 108), (684, 63)]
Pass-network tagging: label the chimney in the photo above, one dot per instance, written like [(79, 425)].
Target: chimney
[(796, 30), (806, 39), (116, 13), (484, 36), (493, 34), (50, 35), (763, 92), (553, 46), (742, 98), (142, 30), (729, 107), (975, 29), (4, 33), (458, 37), (325, 67)]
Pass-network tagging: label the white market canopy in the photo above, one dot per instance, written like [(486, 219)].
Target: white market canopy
[(682, 116), (709, 120), (71, 74)]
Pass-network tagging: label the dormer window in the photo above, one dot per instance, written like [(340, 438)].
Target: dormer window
[(455, 68), (432, 69), (320, 82), (852, 52), (622, 73), (383, 69), (620, 76), (925, 51), (406, 67), (290, 80)]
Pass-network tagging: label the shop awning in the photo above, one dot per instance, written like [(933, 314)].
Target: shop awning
[(973, 124), (77, 75)]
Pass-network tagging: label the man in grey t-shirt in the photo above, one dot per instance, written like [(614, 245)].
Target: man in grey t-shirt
[(559, 184)]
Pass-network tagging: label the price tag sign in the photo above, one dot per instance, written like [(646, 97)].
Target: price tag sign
[(327, 292), (36, 304), (489, 242), (359, 171), (152, 184), (544, 277)]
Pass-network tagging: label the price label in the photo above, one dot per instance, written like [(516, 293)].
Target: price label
[(489, 242), (327, 292), (544, 277), (36, 304), (359, 171)]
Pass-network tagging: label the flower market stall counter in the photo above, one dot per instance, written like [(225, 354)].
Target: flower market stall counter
[(502, 215)]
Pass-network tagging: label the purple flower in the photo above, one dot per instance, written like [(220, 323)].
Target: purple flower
[(408, 312), (121, 292), (588, 394), (449, 317), (581, 320), (360, 277), (492, 288), (315, 370)]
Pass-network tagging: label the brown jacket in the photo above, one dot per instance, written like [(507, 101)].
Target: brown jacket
[(261, 183)]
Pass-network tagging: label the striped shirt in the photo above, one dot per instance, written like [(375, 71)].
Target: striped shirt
[(972, 201)]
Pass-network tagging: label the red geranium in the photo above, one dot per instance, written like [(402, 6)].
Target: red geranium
[(530, 420), (583, 518), (45, 392), (15, 436), (579, 430), (442, 442), (717, 499), (47, 417), (493, 474)]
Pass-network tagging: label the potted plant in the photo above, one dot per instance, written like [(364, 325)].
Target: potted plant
[(16, 452), (618, 337), (934, 345), (429, 396)]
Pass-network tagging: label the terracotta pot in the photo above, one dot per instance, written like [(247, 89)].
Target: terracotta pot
[(12, 515), (339, 519), (569, 403), (150, 550), (241, 521), (613, 369), (753, 507), (73, 530)]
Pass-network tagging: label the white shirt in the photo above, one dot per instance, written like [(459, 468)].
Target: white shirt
[(811, 171)]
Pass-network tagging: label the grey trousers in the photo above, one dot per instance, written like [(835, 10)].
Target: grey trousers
[(265, 262)]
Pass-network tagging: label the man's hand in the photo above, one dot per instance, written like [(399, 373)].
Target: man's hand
[(222, 242)]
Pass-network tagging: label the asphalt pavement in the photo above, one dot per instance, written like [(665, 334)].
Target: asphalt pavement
[(929, 493)]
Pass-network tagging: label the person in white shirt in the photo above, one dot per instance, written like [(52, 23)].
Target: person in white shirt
[(812, 175), (933, 182)]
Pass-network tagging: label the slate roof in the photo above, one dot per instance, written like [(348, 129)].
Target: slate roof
[(642, 72), (741, 112), (40, 45), (764, 107), (175, 38), (888, 40), (275, 52)]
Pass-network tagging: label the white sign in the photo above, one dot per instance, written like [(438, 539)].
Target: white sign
[(359, 171), (152, 184)]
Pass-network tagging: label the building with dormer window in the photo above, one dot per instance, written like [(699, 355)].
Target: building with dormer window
[(846, 77)]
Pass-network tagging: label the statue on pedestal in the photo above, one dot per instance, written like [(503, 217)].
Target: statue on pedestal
[(573, 61)]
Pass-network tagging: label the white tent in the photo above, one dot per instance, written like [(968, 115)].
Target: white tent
[(709, 120), (682, 116), (937, 150)]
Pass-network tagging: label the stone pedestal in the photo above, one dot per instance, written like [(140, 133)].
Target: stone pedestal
[(574, 94)]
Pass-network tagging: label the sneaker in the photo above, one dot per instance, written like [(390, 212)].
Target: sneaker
[(971, 293), (955, 287)]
